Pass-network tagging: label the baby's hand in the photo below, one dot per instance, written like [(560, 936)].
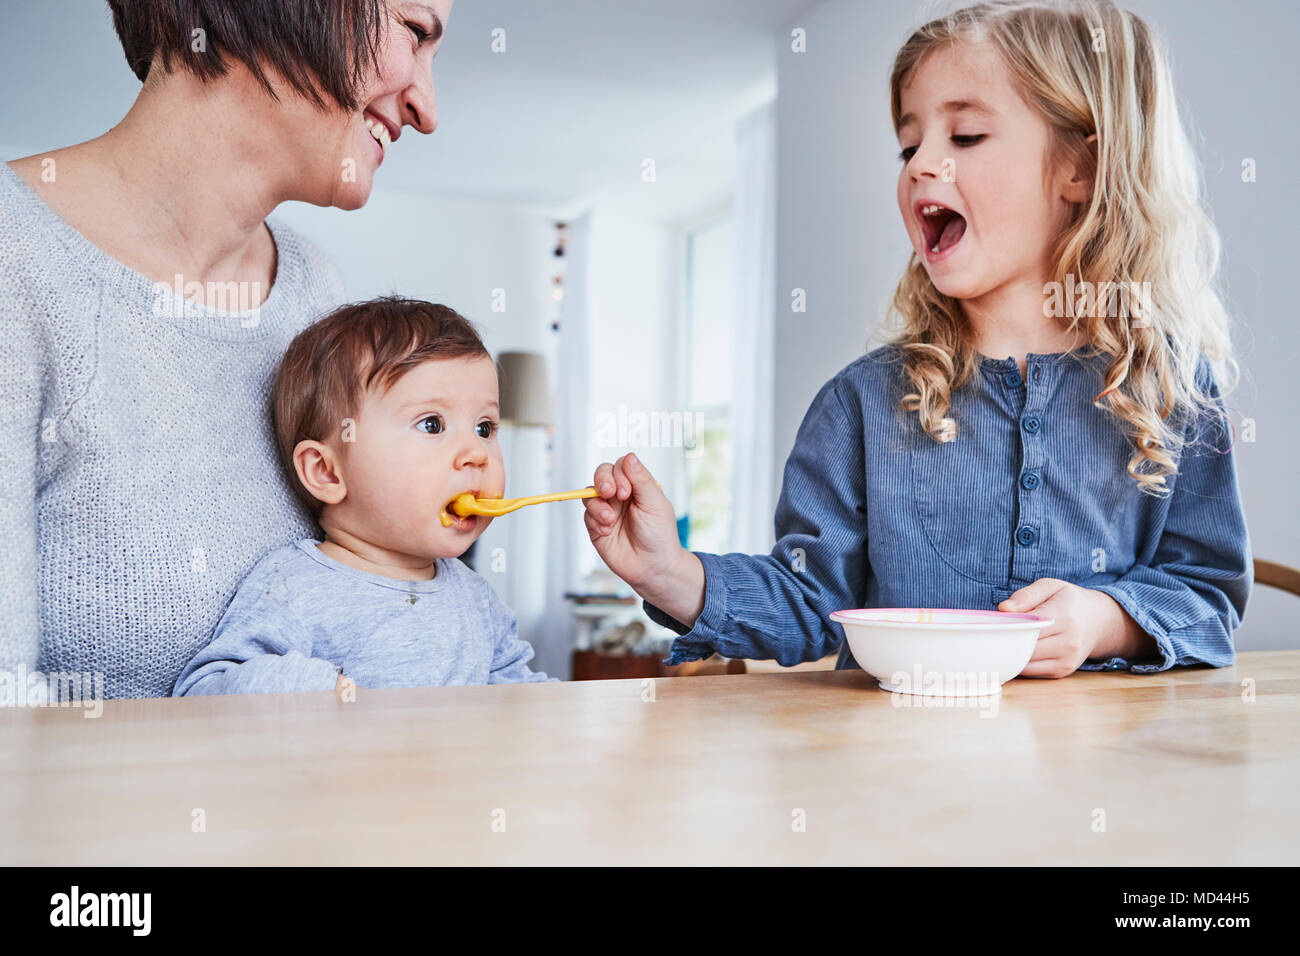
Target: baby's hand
[(345, 689), (1086, 623)]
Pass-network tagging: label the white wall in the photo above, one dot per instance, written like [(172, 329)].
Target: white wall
[(447, 250), (838, 233), (839, 236)]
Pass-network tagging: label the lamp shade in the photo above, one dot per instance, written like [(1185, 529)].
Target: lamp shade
[(525, 392)]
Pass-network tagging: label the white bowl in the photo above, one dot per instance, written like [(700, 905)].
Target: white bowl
[(937, 652)]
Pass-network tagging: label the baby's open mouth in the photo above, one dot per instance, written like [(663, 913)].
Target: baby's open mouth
[(942, 227), (450, 517)]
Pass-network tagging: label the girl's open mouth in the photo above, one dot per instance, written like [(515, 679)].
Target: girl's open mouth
[(941, 229)]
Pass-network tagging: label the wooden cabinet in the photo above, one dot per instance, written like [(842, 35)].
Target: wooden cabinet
[(590, 665)]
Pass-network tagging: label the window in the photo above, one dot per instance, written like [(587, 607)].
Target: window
[(709, 329)]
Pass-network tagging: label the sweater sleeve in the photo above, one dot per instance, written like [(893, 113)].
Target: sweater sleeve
[(777, 606), (1192, 594), (25, 375), (260, 646)]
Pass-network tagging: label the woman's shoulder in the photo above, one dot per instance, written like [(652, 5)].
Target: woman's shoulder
[(47, 296), (33, 248)]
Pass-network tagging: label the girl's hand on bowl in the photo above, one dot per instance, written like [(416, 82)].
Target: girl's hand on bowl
[(1087, 623)]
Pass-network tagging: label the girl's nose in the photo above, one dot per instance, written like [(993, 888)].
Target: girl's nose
[(926, 163)]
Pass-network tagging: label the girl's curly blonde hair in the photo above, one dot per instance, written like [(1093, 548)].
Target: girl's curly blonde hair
[(1087, 66)]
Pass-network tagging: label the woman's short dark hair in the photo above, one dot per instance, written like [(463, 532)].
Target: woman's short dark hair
[(323, 49)]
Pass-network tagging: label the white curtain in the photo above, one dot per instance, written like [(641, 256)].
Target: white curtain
[(571, 467), (752, 492)]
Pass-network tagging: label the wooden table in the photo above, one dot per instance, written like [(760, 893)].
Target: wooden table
[(712, 770)]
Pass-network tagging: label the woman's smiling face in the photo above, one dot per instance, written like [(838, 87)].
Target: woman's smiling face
[(973, 147), (398, 93)]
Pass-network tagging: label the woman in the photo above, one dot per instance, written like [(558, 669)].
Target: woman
[(146, 303)]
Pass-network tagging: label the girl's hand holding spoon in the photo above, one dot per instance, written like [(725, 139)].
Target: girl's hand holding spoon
[(634, 529)]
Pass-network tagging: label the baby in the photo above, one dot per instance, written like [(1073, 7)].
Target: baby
[(384, 411)]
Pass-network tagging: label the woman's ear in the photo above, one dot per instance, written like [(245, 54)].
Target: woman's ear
[(1078, 187), (318, 470)]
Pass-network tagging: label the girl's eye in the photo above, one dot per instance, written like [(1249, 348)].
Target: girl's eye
[(419, 32), (430, 424), (963, 141), (486, 429)]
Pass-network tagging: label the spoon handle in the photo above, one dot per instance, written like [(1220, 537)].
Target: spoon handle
[(588, 492), (496, 507)]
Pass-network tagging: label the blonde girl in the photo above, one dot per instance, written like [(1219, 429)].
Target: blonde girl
[(1045, 431)]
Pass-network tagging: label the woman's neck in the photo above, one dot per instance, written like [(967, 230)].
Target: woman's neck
[(201, 166), (181, 186)]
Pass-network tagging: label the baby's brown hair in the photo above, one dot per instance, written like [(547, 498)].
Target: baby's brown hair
[(332, 363)]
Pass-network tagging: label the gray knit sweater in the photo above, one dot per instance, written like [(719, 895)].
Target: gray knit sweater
[(138, 477)]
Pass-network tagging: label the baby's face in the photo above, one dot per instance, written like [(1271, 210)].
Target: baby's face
[(985, 160), (430, 437)]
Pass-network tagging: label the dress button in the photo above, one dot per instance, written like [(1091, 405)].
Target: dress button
[(1029, 480), (1013, 378), (1027, 536), (1031, 424)]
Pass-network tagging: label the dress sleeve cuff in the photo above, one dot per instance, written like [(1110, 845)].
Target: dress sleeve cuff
[(1168, 657), (698, 642)]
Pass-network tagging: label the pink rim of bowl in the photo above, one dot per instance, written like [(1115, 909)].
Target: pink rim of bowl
[(934, 617)]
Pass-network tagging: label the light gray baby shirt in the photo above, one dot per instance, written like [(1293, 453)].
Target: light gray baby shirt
[(300, 616)]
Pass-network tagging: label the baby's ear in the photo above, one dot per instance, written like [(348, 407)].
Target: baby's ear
[(317, 467)]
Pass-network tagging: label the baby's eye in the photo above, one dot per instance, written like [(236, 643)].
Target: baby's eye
[(486, 428), (430, 424), (907, 153)]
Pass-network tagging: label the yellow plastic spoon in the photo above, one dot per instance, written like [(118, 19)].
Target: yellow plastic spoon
[(466, 504)]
